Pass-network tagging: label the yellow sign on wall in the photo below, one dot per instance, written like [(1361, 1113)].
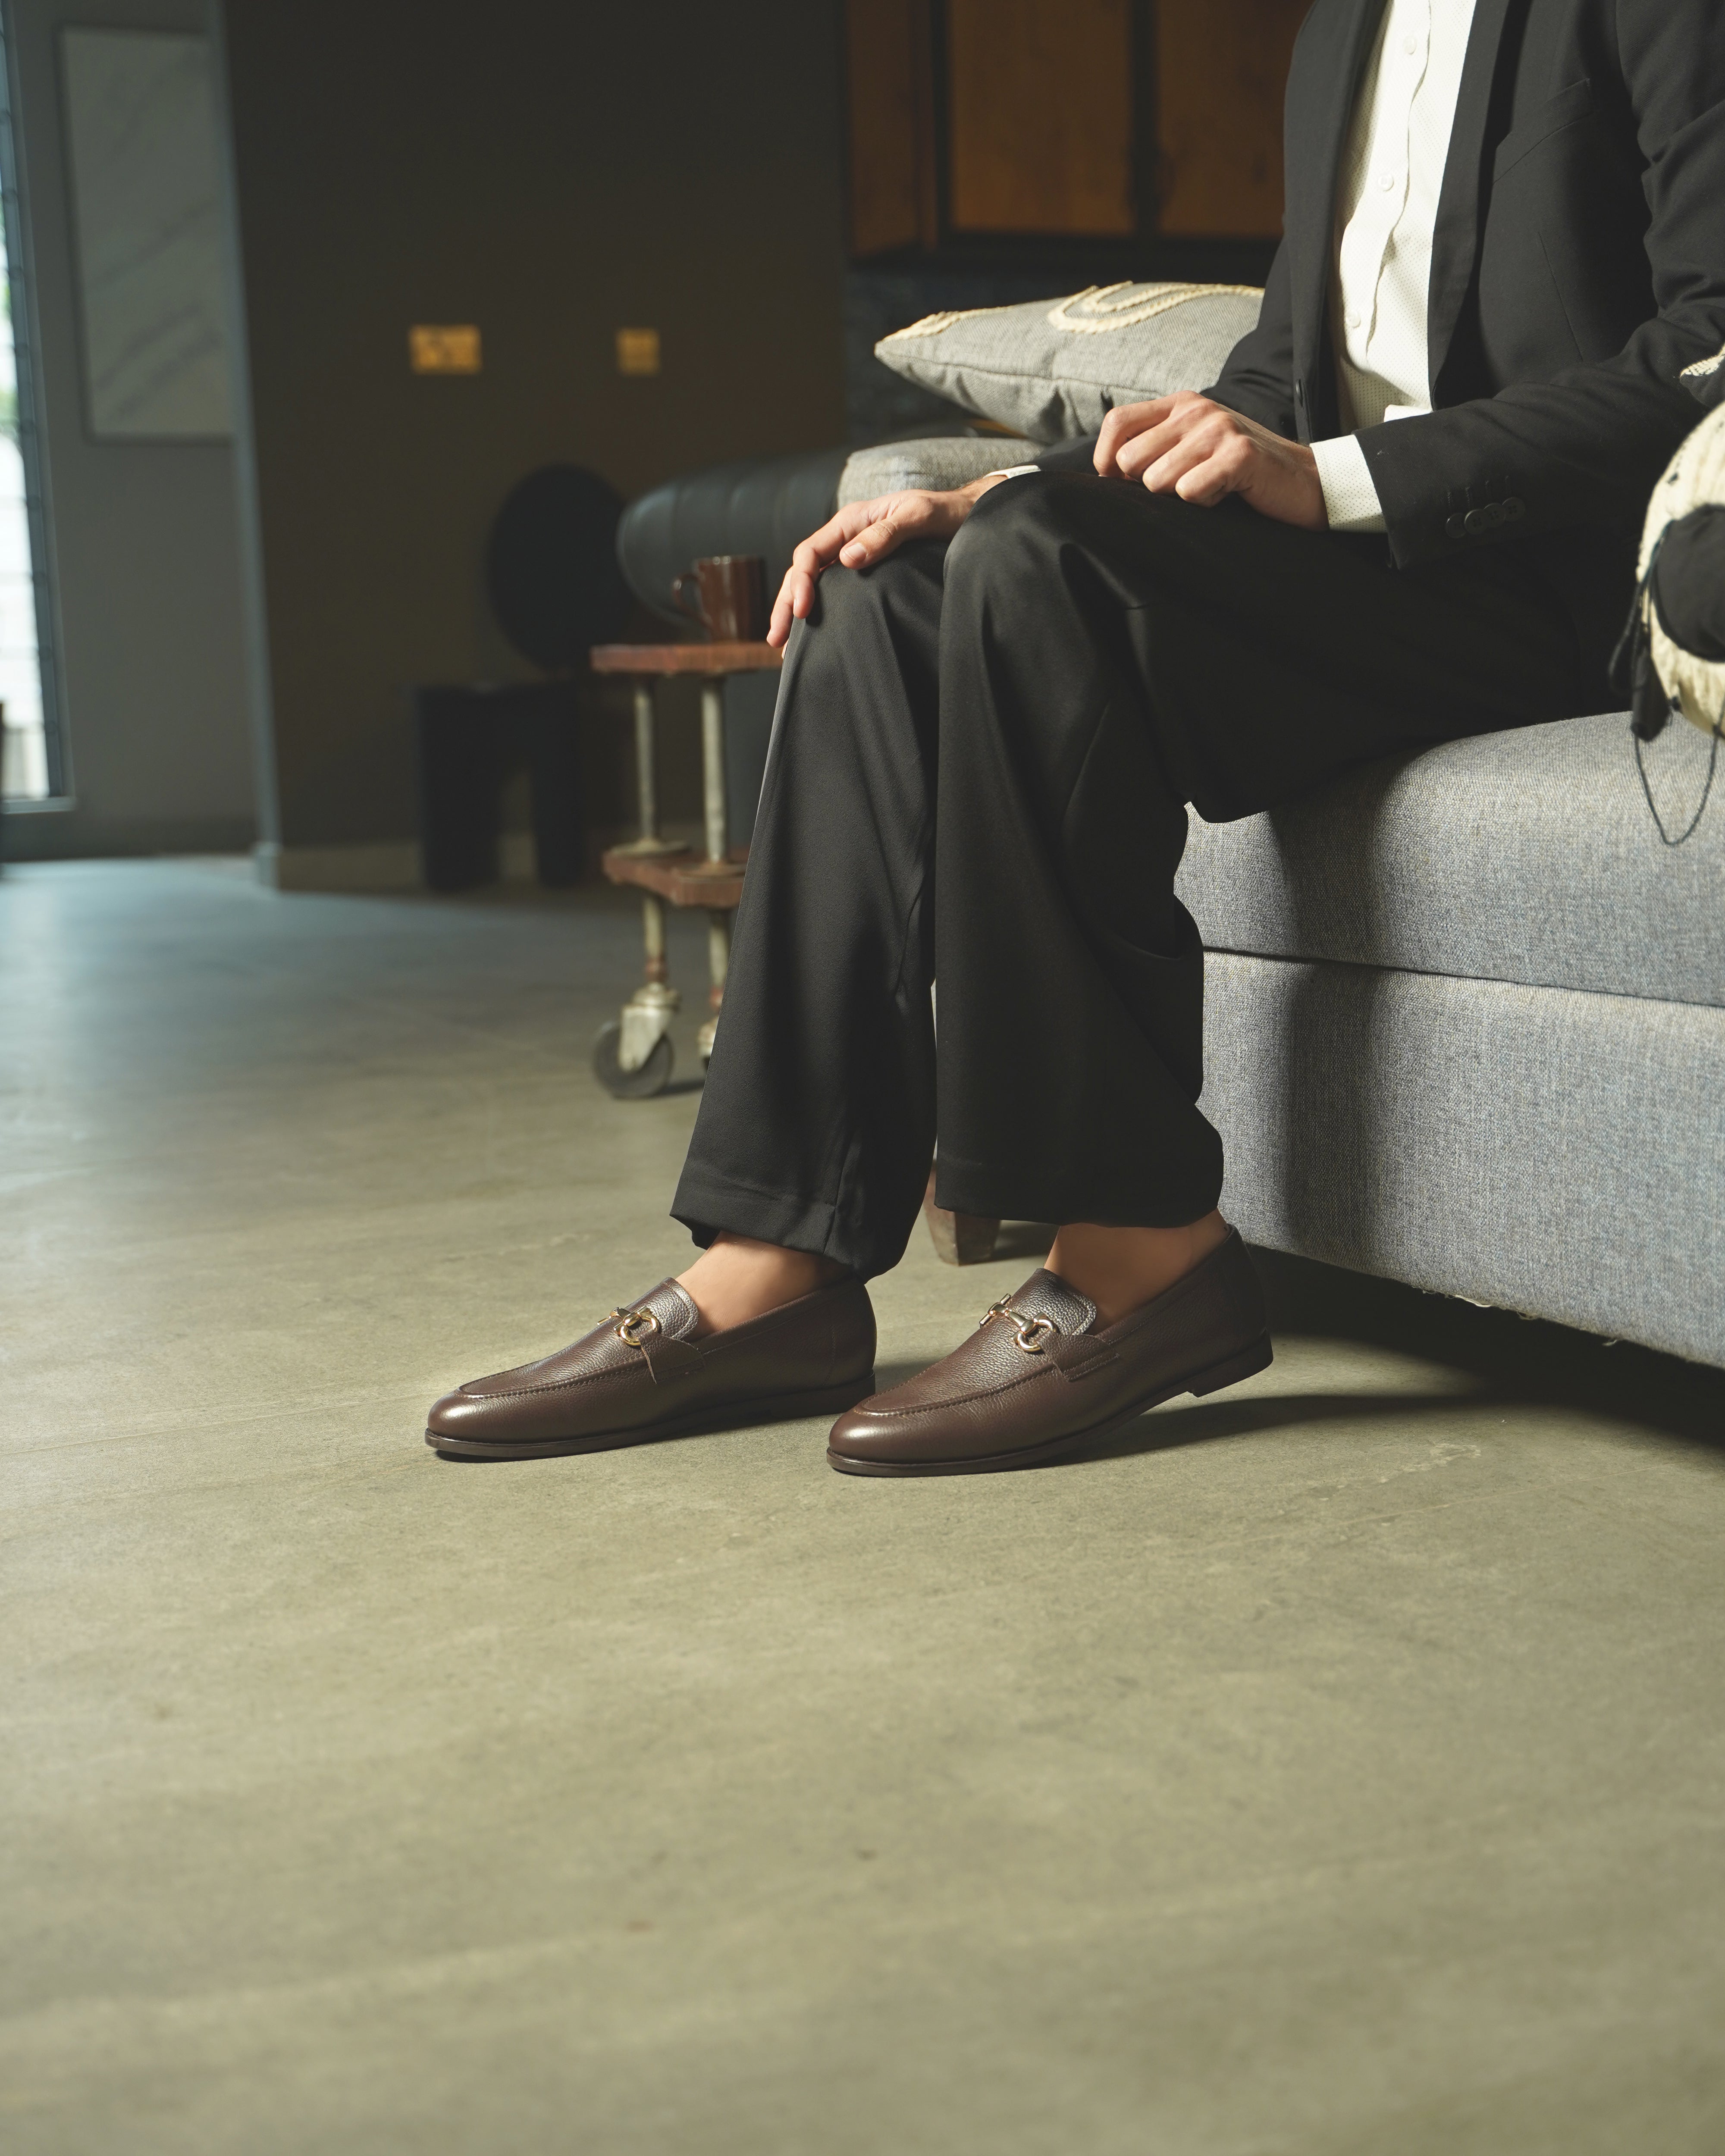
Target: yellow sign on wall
[(443, 348), (638, 351)]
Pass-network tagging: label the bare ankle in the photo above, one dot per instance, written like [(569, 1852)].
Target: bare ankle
[(736, 1279), (1120, 1268)]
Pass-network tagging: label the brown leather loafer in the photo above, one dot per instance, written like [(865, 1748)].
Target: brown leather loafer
[(642, 1374), (1036, 1380)]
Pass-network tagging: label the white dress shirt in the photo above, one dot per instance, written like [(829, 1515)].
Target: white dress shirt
[(1386, 208)]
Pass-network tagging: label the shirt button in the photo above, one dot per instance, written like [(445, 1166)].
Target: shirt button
[(1410, 46), (1352, 319), (1386, 181)]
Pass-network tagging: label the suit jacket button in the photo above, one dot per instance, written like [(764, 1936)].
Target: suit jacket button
[(1474, 522), (1493, 515), (1514, 507), (1456, 526)]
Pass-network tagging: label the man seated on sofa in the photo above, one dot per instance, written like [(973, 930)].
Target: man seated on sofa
[(1406, 512)]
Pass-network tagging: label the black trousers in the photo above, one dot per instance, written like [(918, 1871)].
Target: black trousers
[(979, 771)]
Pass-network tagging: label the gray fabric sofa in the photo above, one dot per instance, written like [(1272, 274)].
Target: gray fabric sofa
[(1465, 1010), (1465, 1025)]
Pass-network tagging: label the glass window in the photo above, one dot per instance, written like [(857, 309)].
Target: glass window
[(31, 768)]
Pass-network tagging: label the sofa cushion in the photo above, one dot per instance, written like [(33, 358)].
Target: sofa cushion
[(949, 460), (1527, 856), (1052, 369)]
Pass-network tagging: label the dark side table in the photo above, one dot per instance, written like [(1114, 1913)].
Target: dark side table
[(467, 738), (632, 1057)]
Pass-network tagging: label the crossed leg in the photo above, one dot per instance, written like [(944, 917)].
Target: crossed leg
[(980, 768)]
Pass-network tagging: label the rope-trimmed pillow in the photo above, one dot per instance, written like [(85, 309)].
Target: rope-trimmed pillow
[(1050, 370)]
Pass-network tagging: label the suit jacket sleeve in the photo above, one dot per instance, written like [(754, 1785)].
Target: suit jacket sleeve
[(1585, 447), (1257, 377), (1078, 454)]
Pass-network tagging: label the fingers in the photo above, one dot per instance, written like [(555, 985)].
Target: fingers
[(1182, 418), (1199, 453), (1203, 446), (796, 595), (1137, 456), (1120, 426), (1214, 475), (821, 548), (894, 518), (818, 552), (860, 534), (1123, 424), (873, 543)]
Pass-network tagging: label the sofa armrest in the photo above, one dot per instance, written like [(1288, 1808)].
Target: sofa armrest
[(766, 505), (762, 506)]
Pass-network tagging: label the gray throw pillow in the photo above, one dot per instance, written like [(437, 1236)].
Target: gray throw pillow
[(1051, 369)]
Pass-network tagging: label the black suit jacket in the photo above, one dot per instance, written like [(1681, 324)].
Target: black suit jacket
[(1577, 266)]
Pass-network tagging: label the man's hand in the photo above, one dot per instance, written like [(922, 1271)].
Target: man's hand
[(1203, 452), (863, 533)]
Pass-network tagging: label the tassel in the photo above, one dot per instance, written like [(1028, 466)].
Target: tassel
[(1650, 707), (1619, 669), (1632, 672)]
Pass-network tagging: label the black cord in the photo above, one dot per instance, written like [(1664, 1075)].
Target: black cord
[(1712, 765)]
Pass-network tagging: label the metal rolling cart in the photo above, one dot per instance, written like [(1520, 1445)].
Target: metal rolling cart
[(632, 1057)]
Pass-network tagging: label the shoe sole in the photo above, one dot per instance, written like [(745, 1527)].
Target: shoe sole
[(1245, 1364), (778, 1407)]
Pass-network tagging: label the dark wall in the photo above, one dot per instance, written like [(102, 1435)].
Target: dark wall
[(551, 171)]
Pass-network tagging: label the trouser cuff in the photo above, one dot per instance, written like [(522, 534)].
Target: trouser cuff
[(708, 1204), (1186, 1185)]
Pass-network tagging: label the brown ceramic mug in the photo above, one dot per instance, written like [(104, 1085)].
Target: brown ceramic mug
[(730, 600)]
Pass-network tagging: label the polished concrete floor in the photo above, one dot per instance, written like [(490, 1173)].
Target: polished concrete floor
[(1333, 1767)]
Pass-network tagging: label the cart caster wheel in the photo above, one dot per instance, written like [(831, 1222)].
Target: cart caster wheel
[(653, 1076)]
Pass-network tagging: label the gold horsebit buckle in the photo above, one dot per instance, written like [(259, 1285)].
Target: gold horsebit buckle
[(1030, 1334), (624, 1324)]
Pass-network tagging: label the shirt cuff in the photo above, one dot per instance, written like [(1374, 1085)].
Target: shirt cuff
[(1350, 499), (1012, 471)]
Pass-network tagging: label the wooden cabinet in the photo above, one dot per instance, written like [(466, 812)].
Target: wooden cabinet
[(889, 57), (1221, 66), (1039, 120), (1040, 110)]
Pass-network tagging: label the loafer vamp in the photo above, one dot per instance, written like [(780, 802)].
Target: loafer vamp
[(574, 1406), (998, 1390), (598, 1354), (607, 1385), (983, 1367), (599, 1383), (1040, 1373), (966, 1417)]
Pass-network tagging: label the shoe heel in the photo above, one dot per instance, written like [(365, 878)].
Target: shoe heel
[(1245, 1364)]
